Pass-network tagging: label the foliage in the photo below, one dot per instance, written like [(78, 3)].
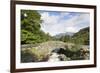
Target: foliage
[(34, 55), (74, 52), (27, 56), (81, 37), (30, 28), (65, 38), (41, 55)]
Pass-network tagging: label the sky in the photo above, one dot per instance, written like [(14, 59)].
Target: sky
[(61, 22)]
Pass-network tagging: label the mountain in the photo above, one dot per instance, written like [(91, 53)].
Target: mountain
[(80, 37), (64, 34)]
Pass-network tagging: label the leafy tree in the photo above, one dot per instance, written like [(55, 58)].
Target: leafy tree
[(30, 28)]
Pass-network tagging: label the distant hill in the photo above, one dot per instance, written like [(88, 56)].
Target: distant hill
[(81, 37), (64, 34)]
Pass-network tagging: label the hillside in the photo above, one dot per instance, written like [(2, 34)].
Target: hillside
[(82, 36)]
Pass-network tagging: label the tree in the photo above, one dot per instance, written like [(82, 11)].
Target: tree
[(30, 28)]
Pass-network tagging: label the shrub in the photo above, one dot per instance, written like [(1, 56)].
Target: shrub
[(27, 56), (42, 55)]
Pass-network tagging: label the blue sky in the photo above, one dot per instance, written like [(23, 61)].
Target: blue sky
[(60, 22)]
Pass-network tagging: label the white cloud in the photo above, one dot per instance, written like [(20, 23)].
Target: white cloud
[(54, 24)]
